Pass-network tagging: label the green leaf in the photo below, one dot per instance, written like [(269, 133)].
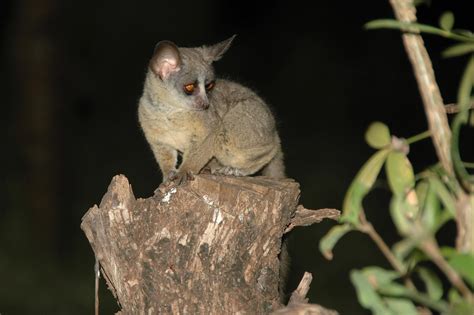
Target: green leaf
[(403, 212), (446, 21), (328, 242), (422, 192), (420, 2), (401, 306), (378, 135), (403, 26), (464, 265), (464, 32), (462, 308), (361, 186), (367, 295), (400, 175), (448, 252), (403, 248), (464, 97), (380, 276), (458, 306), (371, 281), (387, 287), (418, 256), (465, 88), (453, 296), (417, 27), (458, 50), (444, 195), (464, 100), (433, 285), (432, 217), (395, 289)]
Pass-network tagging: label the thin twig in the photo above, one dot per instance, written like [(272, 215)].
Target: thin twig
[(418, 137), (468, 164), (367, 228), (453, 108), (431, 248), (429, 90)]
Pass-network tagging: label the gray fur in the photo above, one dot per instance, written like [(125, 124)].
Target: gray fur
[(228, 128)]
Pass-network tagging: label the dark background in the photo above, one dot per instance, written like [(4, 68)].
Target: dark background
[(71, 75)]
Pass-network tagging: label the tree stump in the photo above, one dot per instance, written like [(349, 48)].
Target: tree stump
[(208, 247)]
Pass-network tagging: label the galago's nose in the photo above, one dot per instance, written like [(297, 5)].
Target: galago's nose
[(202, 103)]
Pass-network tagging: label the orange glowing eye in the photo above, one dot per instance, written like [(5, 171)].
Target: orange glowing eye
[(210, 85), (189, 88)]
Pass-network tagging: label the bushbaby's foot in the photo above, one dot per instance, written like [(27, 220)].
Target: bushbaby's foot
[(206, 170), (167, 180), (227, 170)]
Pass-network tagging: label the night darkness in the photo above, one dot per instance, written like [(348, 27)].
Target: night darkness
[(71, 76)]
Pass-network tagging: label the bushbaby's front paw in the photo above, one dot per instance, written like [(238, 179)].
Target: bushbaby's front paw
[(181, 177), (171, 174), (167, 179)]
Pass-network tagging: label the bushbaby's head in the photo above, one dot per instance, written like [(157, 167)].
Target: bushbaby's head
[(187, 74)]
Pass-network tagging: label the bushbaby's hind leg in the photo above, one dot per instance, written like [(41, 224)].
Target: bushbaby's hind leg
[(211, 167)]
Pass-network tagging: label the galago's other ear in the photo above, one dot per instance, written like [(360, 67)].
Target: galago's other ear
[(216, 51), (165, 60)]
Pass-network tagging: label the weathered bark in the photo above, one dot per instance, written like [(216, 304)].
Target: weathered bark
[(208, 247)]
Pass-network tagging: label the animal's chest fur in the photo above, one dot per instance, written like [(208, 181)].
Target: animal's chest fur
[(179, 130), (178, 136)]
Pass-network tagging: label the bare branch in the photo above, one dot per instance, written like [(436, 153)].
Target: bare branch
[(367, 228), (431, 248), (305, 217), (434, 108), (299, 295), (453, 108), (436, 115), (465, 222), (298, 304)]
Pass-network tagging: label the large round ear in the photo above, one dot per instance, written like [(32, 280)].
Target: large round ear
[(165, 60), (216, 51)]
